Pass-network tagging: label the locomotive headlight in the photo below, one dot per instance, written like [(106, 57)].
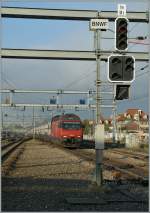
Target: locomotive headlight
[(79, 136), (64, 136)]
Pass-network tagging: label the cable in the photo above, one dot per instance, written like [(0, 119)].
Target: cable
[(132, 45), (142, 74), (135, 42), (111, 30), (135, 99), (139, 98), (77, 79), (134, 38), (133, 27), (8, 82), (146, 66), (80, 79)]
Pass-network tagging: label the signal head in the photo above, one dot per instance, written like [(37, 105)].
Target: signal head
[(121, 33)]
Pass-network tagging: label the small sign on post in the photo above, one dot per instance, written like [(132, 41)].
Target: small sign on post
[(99, 146), (99, 136), (98, 24), (121, 9)]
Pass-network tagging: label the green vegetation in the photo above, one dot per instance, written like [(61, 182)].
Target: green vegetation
[(88, 129), (144, 147), (106, 126)]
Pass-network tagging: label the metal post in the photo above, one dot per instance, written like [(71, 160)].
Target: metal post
[(33, 123), (98, 77), (57, 99), (114, 115), (138, 120), (88, 98), (149, 62), (11, 97), (93, 122), (23, 120), (99, 177), (2, 119)]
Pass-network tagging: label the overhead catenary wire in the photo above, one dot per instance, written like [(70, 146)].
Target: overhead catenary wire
[(76, 80), (142, 68), (10, 83), (137, 98), (140, 98), (88, 74), (137, 42), (142, 74), (85, 75), (135, 25), (132, 38)]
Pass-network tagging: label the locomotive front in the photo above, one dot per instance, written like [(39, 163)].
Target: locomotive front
[(69, 130)]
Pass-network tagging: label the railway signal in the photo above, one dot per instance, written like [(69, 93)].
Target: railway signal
[(122, 92), (53, 101), (82, 101), (128, 68), (121, 33), (121, 68)]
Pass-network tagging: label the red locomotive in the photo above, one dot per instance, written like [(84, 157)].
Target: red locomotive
[(67, 129)]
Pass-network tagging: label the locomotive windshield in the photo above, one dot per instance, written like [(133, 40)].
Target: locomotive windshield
[(70, 125)]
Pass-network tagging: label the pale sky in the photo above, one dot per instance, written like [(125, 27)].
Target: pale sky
[(68, 35)]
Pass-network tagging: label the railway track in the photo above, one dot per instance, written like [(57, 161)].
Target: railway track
[(59, 174), (126, 170), (127, 153), (10, 147), (128, 164)]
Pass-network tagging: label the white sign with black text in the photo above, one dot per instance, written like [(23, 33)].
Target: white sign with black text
[(99, 136), (98, 24), (122, 10)]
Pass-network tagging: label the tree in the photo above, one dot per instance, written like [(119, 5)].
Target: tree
[(86, 127)]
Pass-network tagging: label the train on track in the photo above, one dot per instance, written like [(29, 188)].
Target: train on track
[(67, 130)]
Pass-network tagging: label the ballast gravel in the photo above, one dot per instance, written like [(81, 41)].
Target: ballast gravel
[(46, 178)]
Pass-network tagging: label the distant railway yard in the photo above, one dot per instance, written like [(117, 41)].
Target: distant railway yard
[(39, 175)]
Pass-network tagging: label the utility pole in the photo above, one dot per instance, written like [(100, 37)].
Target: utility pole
[(23, 121), (1, 123), (2, 119), (114, 114), (99, 152), (98, 25), (33, 123), (11, 96), (57, 98), (139, 113), (88, 98), (98, 76)]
